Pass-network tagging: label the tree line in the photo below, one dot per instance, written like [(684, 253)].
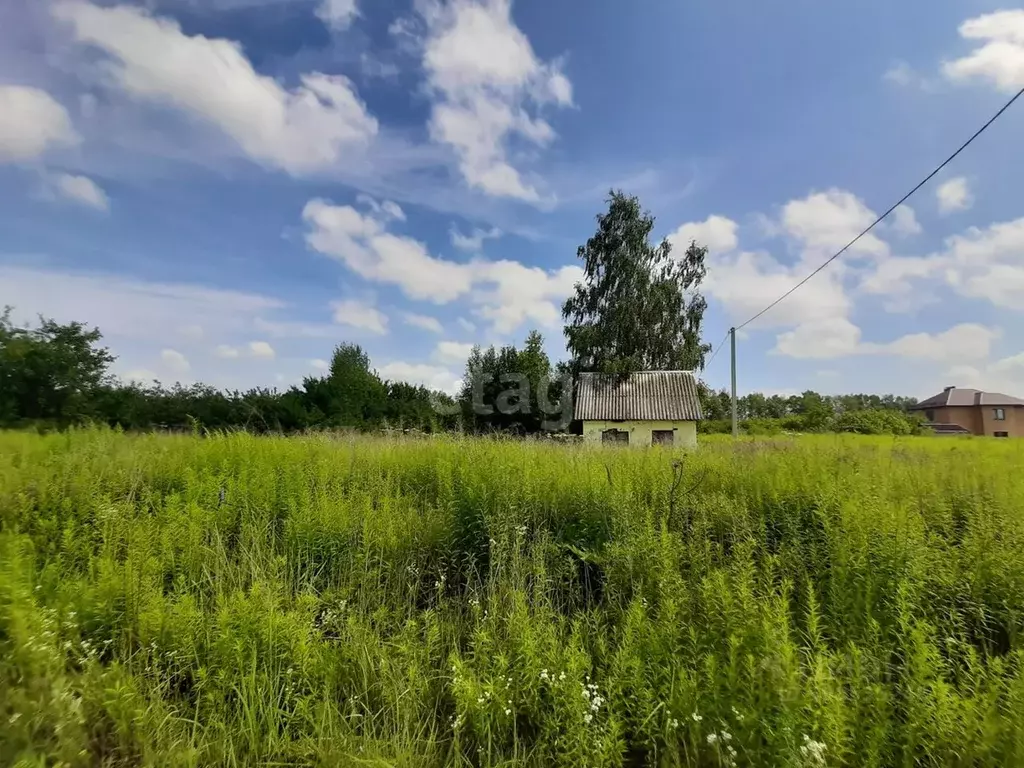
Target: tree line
[(637, 307), (58, 375)]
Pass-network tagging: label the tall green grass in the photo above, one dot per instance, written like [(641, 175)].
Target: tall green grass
[(233, 600)]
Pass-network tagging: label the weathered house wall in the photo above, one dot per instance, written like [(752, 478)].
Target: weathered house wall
[(640, 432)]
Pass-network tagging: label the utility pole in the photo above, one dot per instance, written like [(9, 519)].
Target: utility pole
[(732, 344)]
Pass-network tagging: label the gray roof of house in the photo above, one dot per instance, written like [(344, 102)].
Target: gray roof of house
[(644, 396), (954, 396)]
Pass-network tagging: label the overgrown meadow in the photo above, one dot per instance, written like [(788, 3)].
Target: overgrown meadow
[(238, 600)]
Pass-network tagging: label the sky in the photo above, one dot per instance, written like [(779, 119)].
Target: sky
[(229, 188)]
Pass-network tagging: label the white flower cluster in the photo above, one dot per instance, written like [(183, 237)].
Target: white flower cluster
[(813, 751), (549, 678), (594, 700), (727, 750)]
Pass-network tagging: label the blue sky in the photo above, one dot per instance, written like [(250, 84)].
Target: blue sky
[(228, 188)]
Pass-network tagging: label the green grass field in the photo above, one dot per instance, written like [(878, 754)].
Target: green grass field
[(176, 600)]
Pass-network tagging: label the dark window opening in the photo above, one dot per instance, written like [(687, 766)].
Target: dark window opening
[(615, 436), (663, 436), (1000, 414), (930, 415), (1002, 434)]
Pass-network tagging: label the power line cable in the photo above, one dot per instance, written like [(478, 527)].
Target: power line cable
[(716, 350), (881, 218)]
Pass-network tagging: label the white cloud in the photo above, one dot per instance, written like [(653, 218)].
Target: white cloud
[(227, 352), (484, 75), (128, 309), (175, 361), (506, 293), (386, 210), (320, 365), (299, 130), (31, 122), (452, 352), (364, 246), (467, 325), (337, 14), (954, 195), (512, 294), (1000, 59), (904, 221), (434, 377), (426, 322), (358, 314), (826, 339), (826, 221), (893, 276), (475, 241), (981, 263), (903, 75), (747, 282), (81, 190), (968, 341), (718, 233), (838, 337), (1013, 363), (261, 350)]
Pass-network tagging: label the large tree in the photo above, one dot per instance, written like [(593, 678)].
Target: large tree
[(507, 389), (50, 373), (639, 306)]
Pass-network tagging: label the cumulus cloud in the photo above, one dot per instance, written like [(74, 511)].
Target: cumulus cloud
[(363, 244), (507, 293), (467, 325), (426, 322), (261, 350), (320, 365), (1000, 57), (81, 190), (434, 377), (981, 263), (358, 314), (905, 76), (826, 339), (337, 14), (452, 352), (826, 221), (299, 130), (904, 221), (510, 294), (475, 241), (718, 233), (488, 85), (31, 122), (385, 210), (227, 352), (746, 282), (954, 195), (175, 361), (129, 309), (838, 337)]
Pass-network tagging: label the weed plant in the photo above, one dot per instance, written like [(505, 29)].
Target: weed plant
[(233, 600)]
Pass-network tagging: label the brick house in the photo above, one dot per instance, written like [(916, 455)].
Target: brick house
[(980, 413)]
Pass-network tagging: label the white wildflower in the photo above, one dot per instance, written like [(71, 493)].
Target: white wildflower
[(696, 718), (712, 738)]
